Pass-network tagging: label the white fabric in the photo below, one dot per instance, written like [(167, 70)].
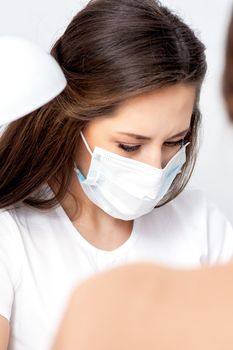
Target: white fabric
[(43, 256)]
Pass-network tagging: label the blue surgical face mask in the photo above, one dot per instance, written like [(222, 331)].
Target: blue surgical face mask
[(126, 188)]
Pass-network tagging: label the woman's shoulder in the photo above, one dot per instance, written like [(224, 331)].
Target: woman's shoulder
[(10, 240), (190, 203), (195, 204), (7, 222), (192, 207), (196, 218), (191, 197), (10, 247)]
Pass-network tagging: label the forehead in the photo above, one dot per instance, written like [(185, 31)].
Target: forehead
[(164, 102), (164, 112)]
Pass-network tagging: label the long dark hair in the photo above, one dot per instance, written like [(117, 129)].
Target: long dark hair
[(111, 50), (228, 70)]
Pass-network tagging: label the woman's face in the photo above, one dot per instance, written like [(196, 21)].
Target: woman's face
[(149, 128)]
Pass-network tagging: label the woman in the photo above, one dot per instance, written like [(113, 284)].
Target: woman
[(156, 307), (103, 165)]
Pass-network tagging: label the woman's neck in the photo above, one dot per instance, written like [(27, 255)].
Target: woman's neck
[(97, 227)]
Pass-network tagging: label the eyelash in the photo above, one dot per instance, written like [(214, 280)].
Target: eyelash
[(128, 148)]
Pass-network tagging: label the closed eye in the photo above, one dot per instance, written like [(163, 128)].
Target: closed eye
[(175, 143), (128, 148)]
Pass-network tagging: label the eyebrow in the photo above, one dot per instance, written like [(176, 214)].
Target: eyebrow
[(141, 137)]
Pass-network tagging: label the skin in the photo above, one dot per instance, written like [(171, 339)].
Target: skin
[(125, 308), (4, 333), (149, 115)]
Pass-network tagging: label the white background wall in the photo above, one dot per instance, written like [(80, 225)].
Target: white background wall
[(43, 21)]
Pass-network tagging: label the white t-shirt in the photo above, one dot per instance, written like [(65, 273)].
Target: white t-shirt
[(43, 257)]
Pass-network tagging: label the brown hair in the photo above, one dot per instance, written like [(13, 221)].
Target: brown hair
[(111, 50), (228, 71)]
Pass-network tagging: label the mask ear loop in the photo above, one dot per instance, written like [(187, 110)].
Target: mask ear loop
[(184, 143), (88, 148), (86, 144)]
